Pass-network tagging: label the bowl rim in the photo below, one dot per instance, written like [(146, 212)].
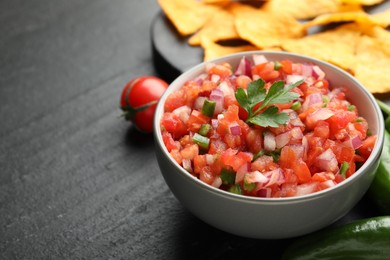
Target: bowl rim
[(375, 154)]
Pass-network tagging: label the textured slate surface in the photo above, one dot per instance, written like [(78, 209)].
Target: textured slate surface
[(76, 181)]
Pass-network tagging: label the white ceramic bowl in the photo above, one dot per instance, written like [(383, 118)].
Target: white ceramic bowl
[(272, 218)]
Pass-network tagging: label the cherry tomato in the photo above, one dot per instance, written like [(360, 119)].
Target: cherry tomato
[(139, 100)]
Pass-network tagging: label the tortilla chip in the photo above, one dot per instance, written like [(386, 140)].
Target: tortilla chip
[(187, 16), (372, 65), (265, 29), (307, 9), (382, 18), (359, 17), (223, 2), (362, 2), (336, 46), (219, 27), (213, 50)]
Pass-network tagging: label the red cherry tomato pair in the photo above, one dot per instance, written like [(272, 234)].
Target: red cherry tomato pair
[(139, 100)]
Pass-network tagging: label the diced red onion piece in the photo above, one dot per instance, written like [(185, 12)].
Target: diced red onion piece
[(327, 161), (235, 128), (199, 101), (187, 165), (305, 144), (318, 73), (293, 78), (256, 176), (307, 70), (315, 98), (320, 114), (306, 188), (282, 139), (214, 123), (215, 78), (299, 150), (258, 59), (244, 169), (217, 182), (275, 176), (199, 79), (296, 133), (217, 96), (244, 67), (210, 159), (327, 184), (354, 142), (269, 141), (264, 193), (183, 113), (226, 89)]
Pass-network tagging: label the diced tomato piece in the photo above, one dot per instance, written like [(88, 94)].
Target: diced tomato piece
[(231, 113), (174, 101), (291, 160), (340, 120), (222, 70), (343, 153), (196, 120), (217, 146), (185, 140), (286, 66), (266, 71), (190, 151), (199, 163), (351, 170), (174, 125), (170, 144), (362, 127), (242, 81), (323, 176), (206, 175), (367, 146), (176, 156), (322, 129), (288, 190), (254, 140), (302, 171), (235, 160), (207, 86), (233, 141)]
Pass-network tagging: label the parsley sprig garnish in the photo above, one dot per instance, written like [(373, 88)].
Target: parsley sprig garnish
[(257, 100)]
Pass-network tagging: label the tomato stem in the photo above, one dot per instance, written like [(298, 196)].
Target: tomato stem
[(129, 111)]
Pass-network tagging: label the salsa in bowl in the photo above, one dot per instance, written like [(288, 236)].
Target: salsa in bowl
[(270, 132)]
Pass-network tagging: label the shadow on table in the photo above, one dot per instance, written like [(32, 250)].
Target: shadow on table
[(137, 139), (198, 240)]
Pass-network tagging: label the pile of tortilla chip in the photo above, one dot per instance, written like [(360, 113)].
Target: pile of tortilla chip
[(337, 31)]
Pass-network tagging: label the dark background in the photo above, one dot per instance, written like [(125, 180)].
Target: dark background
[(76, 180)]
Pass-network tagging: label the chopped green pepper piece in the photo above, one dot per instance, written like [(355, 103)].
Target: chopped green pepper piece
[(360, 239), (208, 107), (277, 65), (325, 100), (296, 105), (248, 186), (351, 108), (228, 177), (204, 129), (258, 154), (344, 168), (201, 140), (236, 189)]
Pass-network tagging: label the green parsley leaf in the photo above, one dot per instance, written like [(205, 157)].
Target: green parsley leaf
[(270, 117), (257, 99)]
